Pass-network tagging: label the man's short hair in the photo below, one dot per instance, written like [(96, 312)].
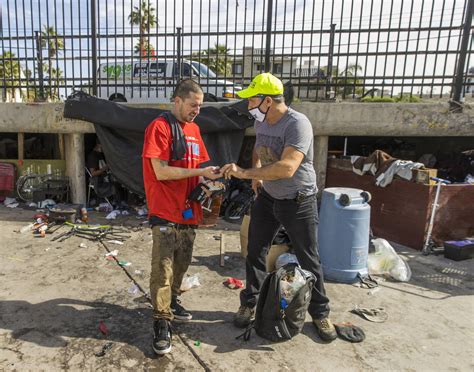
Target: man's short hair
[(185, 87)]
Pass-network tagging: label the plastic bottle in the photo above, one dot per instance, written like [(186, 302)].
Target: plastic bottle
[(26, 228)]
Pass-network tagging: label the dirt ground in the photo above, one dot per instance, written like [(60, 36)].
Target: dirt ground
[(53, 297)]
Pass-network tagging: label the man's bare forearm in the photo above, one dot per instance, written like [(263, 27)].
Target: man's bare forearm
[(256, 163), (274, 171), (164, 172)]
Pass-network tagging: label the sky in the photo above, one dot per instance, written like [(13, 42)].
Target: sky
[(213, 18)]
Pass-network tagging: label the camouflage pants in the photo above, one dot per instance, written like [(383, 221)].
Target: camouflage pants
[(171, 255)]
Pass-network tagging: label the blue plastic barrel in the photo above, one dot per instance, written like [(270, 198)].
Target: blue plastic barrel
[(344, 233)]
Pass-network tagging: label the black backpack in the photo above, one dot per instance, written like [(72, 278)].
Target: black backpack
[(271, 320)]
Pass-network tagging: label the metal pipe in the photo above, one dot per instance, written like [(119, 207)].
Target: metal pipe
[(94, 46), (459, 80), (268, 35)]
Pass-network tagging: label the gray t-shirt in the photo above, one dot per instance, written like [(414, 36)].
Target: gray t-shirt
[(294, 129)]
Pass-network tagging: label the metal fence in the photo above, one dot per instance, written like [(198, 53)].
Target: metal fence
[(132, 49)]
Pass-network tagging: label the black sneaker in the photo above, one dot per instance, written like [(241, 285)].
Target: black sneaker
[(179, 312), (162, 337)]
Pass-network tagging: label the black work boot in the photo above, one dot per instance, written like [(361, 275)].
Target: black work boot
[(180, 314), (162, 336)]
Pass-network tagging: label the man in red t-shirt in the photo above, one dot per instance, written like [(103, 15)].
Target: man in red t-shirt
[(169, 177)]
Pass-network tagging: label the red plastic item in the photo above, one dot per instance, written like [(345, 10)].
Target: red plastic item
[(234, 283), (103, 328)]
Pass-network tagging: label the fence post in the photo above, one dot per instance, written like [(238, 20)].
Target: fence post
[(39, 55), (330, 55), (455, 103), (268, 37), (94, 47), (178, 60)]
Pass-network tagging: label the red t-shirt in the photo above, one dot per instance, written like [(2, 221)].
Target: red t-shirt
[(167, 199)]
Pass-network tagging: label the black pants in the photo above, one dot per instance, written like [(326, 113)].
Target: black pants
[(300, 220)]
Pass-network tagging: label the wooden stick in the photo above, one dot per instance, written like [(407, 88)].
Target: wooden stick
[(222, 251)]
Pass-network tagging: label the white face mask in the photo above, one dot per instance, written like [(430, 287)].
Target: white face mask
[(257, 114)]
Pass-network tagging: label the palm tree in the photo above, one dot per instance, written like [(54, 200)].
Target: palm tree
[(217, 59), (144, 17), (10, 73), (52, 41), (345, 82)]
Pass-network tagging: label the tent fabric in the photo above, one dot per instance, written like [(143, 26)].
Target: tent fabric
[(121, 129)]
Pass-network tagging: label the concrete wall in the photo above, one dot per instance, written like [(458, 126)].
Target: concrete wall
[(328, 119)]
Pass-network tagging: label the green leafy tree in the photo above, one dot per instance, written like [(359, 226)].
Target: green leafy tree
[(10, 73), (145, 18), (217, 59)]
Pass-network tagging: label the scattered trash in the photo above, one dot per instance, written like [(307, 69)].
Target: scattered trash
[(115, 242), (385, 261), (16, 259), (47, 249), (47, 203), (13, 205), (190, 282), (103, 328), (197, 343), (9, 201), (217, 237), (114, 253), (83, 245), (113, 215), (105, 348), (142, 211), (26, 228), (377, 315), (133, 289), (233, 283), (138, 272), (104, 207), (226, 258), (125, 213), (33, 205), (124, 263)]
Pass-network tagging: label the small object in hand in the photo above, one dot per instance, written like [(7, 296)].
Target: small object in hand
[(233, 283), (105, 348), (103, 328)]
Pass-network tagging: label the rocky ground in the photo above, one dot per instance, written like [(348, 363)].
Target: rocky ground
[(54, 295)]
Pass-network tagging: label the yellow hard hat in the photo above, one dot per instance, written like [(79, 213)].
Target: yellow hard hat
[(264, 84)]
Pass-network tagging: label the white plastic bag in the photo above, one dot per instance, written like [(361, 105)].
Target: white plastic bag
[(291, 286), (385, 261), (190, 282)]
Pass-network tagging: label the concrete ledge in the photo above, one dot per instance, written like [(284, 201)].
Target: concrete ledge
[(328, 119)]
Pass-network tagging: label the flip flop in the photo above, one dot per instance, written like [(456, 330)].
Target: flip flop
[(377, 315)]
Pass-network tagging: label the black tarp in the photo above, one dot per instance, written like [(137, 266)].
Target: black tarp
[(121, 128)]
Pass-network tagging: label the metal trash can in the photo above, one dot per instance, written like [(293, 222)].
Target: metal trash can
[(344, 230)]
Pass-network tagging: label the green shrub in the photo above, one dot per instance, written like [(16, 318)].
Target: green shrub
[(377, 99)]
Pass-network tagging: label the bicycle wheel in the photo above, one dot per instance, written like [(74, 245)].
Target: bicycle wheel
[(25, 186)]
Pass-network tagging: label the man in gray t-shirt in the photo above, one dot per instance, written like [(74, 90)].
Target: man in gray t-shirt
[(285, 181)]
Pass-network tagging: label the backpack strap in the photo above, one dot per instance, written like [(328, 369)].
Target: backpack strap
[(178, 149), (248, 331)]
